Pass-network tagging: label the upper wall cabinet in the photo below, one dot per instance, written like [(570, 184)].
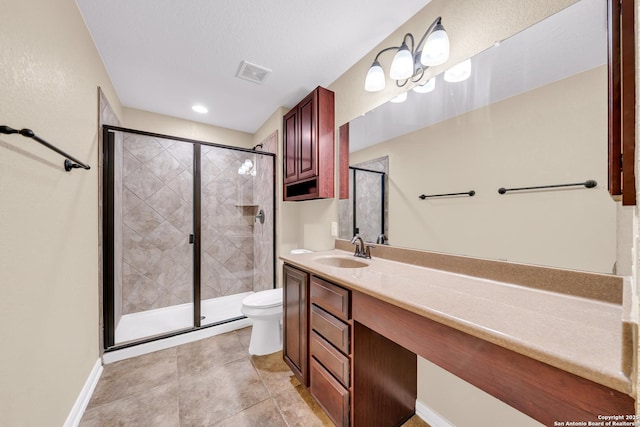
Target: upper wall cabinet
[(309, 148)]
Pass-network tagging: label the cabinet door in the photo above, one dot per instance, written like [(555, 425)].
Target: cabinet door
[(290, 146), (296, 322), (308, 149)]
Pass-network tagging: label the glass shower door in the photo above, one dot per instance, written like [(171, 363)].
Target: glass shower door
[(153, 221), (228, 212)]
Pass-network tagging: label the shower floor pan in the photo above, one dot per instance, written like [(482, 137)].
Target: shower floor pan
[(145, 324)]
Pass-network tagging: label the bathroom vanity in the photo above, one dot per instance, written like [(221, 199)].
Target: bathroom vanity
[(554, 344)]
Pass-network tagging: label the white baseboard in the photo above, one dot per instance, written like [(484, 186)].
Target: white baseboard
[(139, 350), (77, 411), (431, 417)]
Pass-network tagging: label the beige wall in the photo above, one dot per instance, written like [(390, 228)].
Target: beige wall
[(49, 74), (553, 134), (173, 126)]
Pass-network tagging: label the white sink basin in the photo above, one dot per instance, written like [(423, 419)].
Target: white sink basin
[(341, 262)]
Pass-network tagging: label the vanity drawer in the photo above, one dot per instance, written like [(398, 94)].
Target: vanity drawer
[(331, 328), (332, 298), (334, 361), (330, 394)]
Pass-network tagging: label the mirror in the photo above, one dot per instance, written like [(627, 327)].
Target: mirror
[(533, 113)]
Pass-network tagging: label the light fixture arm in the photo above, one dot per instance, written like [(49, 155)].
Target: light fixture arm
[(404, 41), (385, 50)]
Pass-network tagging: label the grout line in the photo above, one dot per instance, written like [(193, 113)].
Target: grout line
[(271, 395), (275, 403), (178, 379)]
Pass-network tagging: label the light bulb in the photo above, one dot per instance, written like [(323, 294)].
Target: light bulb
[(402, 65), (375, 80), (436, 48)]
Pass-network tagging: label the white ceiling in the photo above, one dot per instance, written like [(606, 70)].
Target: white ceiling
[(166, 55), (567, 43)]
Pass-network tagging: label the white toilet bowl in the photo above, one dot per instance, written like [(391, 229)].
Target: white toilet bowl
[(264, 308)]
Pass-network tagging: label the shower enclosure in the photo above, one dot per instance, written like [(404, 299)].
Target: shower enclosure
[(365, 211), (189, 232)]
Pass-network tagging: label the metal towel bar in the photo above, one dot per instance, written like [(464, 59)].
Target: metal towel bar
[(468, 193), (588, 184), (70, 162)]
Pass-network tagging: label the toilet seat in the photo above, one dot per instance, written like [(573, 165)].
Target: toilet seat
[(264, 299)]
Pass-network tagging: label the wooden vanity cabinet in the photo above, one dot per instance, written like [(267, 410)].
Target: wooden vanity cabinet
[(308, 145), (361, 355), (295, 322), (320, 347), (330, 349)]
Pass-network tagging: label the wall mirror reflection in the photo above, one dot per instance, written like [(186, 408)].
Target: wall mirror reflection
[(365, 212), (533, 111)]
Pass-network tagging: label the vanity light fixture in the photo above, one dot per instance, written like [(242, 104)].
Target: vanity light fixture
[(459, 72), (426, 87), (200, 109), (410, 64)]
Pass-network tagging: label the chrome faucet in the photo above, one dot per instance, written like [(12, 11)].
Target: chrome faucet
[(362, 250)]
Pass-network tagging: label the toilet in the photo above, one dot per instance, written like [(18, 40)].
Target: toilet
[(264, 308)]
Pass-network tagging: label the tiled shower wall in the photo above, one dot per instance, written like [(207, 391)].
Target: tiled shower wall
[(157, 220), (237, 253), (263, 236)]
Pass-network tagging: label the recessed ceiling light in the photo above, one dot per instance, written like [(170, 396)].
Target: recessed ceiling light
[(200, 109)]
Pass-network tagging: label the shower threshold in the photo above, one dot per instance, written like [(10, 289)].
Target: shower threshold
[(145, 324)]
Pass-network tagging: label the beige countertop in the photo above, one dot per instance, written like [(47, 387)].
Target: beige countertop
[(579, 335)]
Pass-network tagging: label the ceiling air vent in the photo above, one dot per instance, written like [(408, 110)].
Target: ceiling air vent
[(252, 72)]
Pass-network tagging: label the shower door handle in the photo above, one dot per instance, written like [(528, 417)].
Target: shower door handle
[(191, 239)]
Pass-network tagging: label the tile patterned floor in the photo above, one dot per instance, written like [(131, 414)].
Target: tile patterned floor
[(212, 382)]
